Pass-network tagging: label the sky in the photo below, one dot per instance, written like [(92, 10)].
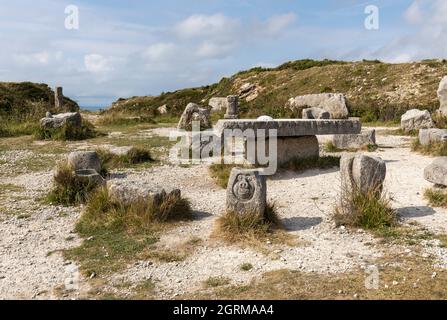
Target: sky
[(136, 47)]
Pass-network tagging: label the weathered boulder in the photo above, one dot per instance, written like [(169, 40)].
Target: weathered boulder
[(249, 91), (437, 172), (127, 195), (247, 192), (194, 112), (61, 119), (265, 118), (162, 109), (442, 96), (218, 104), (354, 141), (84, 160), (92, 175), (315, 113), (416, 119), (334, 103), (428, 136), (365, 173)]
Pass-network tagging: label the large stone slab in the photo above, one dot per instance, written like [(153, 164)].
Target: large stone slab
[(61, 119), (428, 136), (218, 104), (193, 112), (294, 127), (334, 103), (354, 141), (416, 119), (437, 172), (246, 192)]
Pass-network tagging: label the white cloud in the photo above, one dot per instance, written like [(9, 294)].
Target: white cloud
[(97, 63), (217, 25), (160, 51), (277, 24)]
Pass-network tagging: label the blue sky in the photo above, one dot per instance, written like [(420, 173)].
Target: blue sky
[(136, 47)]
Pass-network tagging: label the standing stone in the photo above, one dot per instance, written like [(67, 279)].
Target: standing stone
[(354, 141), (437, 172), (366, 173), (416, 119), (428, 136), (247, 192), (58, 98), (83, 160), (218, 104), (442, 96), (232, 108), (315, 113), (193, 112), (334, 103)]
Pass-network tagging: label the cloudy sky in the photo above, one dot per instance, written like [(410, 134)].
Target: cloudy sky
[(137, 47)]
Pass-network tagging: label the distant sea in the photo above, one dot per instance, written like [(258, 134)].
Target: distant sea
[(92, 108)]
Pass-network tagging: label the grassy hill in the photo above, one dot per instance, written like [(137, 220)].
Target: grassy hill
[(376, 91), (23, 104)]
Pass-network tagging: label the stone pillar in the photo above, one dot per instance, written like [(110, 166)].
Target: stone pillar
[(232, 108), (58, 98), (247, 192)]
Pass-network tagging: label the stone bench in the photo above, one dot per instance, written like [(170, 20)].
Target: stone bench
[(296, 138)]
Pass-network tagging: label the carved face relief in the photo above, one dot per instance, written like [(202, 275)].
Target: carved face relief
[(244, 187)]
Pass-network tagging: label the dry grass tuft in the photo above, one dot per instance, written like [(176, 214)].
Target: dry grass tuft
[(437, 149), (436, 197)]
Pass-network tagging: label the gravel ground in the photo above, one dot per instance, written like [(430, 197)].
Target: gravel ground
[(304, 201)]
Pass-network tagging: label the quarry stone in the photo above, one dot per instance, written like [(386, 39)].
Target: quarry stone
[(315, 113), (92, 175), (334, 103), (437, 172), (428, 136), (416, 119), (247, 192), (59, 120), (232, 107), (193, 112), (84, 160), (58, 98), (442, 96), (354, 141)]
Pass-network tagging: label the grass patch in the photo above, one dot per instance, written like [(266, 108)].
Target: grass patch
[(136, 155), (68, 132), (370, 211), (214, 282), (436, 197), (330, 147), (15, 129), (68, 188), (221, 173), (300, 165), (246, 266), (436, 149), (116, 234)]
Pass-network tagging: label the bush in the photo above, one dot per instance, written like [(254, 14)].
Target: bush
[(134, 156), (371, 211), (436, 197), (68, 132), (103, 213), (68, 188)]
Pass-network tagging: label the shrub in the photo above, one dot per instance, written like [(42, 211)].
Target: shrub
[(104, 213), (246, 266), (436, 197), (67, 132), (235, 226), (68, 188), (371, 211)]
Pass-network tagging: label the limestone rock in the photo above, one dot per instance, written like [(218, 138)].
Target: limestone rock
[(58, 98), (364, 172), (194, 112), (416, 119), (249, 91), (334, 103), (354, 141), (315, 113), (246, 192), (232, 107), (218, 104), (92, 175), (127, 195), (427, 136), (61, 119), (442, 96), (437, 172), (83, 160), (162, 109)]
